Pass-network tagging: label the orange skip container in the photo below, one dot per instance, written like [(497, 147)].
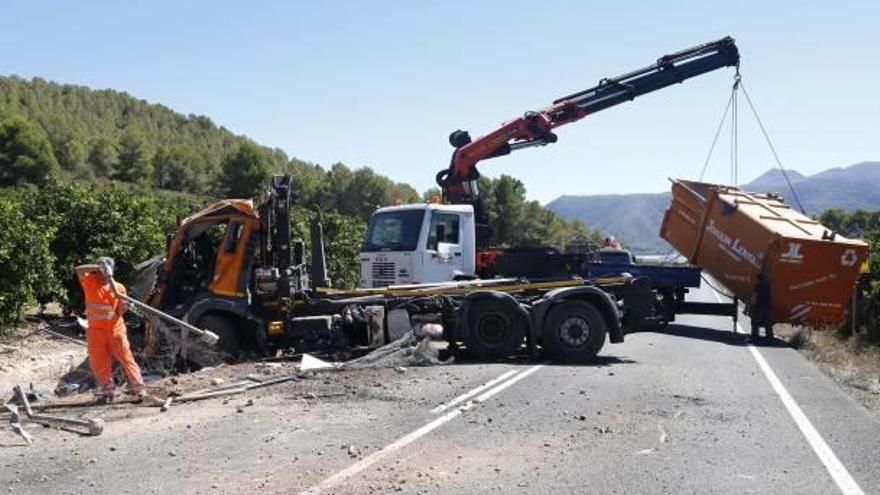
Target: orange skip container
[(735, 236)]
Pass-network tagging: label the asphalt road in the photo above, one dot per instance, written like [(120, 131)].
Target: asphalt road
[(692, 410)]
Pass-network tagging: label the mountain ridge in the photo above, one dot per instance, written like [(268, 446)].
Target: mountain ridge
[(635, 218)]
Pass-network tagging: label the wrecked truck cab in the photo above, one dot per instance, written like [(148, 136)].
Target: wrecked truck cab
[(233, 269)]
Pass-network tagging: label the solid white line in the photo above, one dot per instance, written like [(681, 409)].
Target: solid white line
[(381, 454), (508, 383), (473, 392), (409, 438), (844, 480), (835, 468)]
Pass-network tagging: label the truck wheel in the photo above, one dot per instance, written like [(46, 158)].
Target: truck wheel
[(495, 329), (226, 349), (574, 331)]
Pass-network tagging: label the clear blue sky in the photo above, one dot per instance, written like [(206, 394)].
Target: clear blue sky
[(382, 83)]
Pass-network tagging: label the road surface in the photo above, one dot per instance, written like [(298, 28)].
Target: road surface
[(692, 410)]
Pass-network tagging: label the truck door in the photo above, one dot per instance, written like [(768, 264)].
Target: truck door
[(443, 258)]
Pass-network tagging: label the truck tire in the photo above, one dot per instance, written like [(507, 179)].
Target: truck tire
[(495, 329), (227, 348), (574, 331)]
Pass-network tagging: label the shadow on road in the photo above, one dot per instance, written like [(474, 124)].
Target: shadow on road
[(722, 336), (523, 360)]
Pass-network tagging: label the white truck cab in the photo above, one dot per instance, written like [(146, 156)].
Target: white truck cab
[(418, 244)]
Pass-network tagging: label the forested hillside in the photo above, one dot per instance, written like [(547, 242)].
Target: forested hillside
[(110, 134)]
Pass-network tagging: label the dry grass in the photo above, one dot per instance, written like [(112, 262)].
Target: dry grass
[(850, 361)]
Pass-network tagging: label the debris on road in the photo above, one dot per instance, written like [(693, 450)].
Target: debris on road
[(44, 328), (15, 424), (94, 426), (408, 350), (310, 363)]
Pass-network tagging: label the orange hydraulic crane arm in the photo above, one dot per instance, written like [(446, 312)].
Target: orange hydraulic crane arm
[(458, 182)]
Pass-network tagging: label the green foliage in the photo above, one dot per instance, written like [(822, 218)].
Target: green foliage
[(343, 237), (178, 169), (357, 193), (50, 230), (26, 271), (87, 128), (850, 224), (134, 161), (71, 150), (431, 193), (245, 172), (25, 154), (518, 222), (865, 225), (102, 157)]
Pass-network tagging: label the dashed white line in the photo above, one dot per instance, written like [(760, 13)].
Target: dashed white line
[(835, 468), (416, 434)]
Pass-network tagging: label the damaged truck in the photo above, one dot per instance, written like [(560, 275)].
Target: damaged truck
[(234, 269)]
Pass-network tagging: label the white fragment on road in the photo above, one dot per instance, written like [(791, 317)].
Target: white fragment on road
[(835, 468), (410, 438), (644, 452), (663, 436), (310, 362), (474, 391)]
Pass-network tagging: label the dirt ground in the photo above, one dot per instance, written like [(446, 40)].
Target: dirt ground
[(853, 364), (36, 360)]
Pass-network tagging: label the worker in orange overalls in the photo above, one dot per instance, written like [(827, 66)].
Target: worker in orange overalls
[(106, 335)]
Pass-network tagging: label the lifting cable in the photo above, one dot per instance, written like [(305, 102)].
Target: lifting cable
[(716, 289), (715, 139), (734, 131), (732, 109), (773, 150)]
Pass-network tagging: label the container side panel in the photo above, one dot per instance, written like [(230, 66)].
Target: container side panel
[(681, 222), (733, 248), (812, 281)]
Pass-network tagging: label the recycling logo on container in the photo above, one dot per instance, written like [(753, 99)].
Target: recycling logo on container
[(849, 257)]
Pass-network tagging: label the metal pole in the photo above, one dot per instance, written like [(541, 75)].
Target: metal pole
[(855, 328), (206, 335), (735, 312)]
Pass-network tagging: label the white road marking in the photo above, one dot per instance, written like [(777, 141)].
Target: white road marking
[(411, 437), (835, 468), (508, 383), (474, 391)]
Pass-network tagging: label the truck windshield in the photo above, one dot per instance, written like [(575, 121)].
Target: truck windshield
[(394, 231)]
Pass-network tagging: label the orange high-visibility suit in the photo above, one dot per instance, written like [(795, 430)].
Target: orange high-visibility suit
[(107, 338)]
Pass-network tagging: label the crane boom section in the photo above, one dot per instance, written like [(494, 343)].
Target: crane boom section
[(535, 128)]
